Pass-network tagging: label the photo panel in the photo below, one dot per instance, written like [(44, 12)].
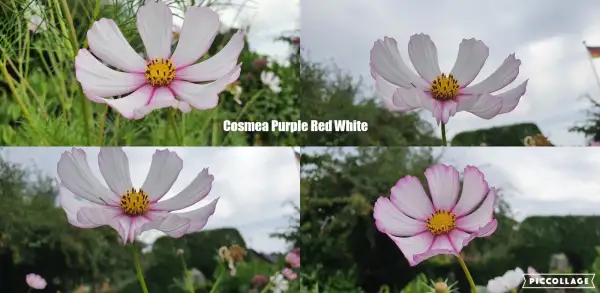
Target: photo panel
[(463, 74), (458, 219), (149, 219)]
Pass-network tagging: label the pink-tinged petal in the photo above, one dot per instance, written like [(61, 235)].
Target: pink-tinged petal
[(511, 98), (200, 27), (444, 185), (155, 25), (481, 216), (390, 220), (424, 57), (412, 98), (472, 55), (169, 223), (204, 96), (162, 98), (102, 81), (459, 239), (503, 76), (35, 281), (443, 110), (199, 217), (415, 245), (75, 174), (474, 190), (410, 198), (484, 231), (123, 226), (102, 216), (164, 170), (386, 62), (192, 194), (129, 105), (484, 106), (108, 44), (216, 66), (114, 166), (71, 204), (387, 91), (441, 245)]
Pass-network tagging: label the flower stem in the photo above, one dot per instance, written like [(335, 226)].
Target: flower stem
[(138, 269), (14, 91), (102, 122), (444, 143), (117, 131), (267, 287), (174, 125), (244, 109), (467, 273), (188, 276), (218, 282)]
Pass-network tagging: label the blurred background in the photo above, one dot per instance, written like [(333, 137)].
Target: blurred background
[(547, 211), (258, 207)]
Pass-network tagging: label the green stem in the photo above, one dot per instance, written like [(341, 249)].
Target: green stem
[(467, 273), (138, 269), (218, 282), (188, 275), (102, 122), (174, 125), (117, 131), (267, 287), (14, 91), (444, 143), (215, 128), (244, 109)]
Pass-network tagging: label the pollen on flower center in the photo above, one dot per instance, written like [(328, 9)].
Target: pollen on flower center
[(441, 222), (160, 72), (135, 202), (445, 88)]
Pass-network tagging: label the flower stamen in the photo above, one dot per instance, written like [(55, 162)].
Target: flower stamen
[(441, 222), (160, 72), (135, 202), (445, 88)]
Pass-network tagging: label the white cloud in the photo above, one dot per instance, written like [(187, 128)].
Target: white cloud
[(254, 184)]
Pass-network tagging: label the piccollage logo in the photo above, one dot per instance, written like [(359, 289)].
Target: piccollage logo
[(559, 281)]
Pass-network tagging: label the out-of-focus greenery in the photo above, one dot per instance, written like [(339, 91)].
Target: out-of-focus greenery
[(344, 252), (46, 106), (510, 135), (591, 127)]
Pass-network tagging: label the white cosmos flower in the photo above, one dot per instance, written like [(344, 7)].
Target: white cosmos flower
[(279, 283), (165, 79), (443, 94), (271, 80), (507, 282), (131, 211)]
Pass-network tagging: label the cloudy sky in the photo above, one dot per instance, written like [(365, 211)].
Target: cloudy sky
[(546, 35), (257, 186), (538, 181)]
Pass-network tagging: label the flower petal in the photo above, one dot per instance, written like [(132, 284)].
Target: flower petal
[(99, 216), (441, 245), (503, 76), (511, 98), (155, 25), (472, 55), (199, 30), (204, 96), (72, 205), (199, 217), (162, 98), (486, 106), (444, 185), (390, 220), (424, 57), (216, 66), (387, 91), (164, 170), (459, 239), (484, 231), (480, 217), (442, 111), (129, 105), (75, 174), (410, 198), (108, 44), (387, 63), (411, 98), (415, 245), (114, 166), (192, 194), (474, 189), (102, 81), (169, 223)]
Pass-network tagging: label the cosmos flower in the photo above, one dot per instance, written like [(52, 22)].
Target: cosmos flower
[(35, 281), (164, 79), (423, 228), (509, 281), (293, 259), (129, 210), (279, 283), (271, 80), (443, 94), (289, 274), (33, 15)]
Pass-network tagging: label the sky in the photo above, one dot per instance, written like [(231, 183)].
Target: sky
[(546, 35), (258, 187), (536, 181)]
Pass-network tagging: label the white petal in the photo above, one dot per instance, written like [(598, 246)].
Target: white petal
[(481, 217), (484, 106), (390, 220), (424, 57), (472, 55), (204, 96), (199, 217), (164, 169), (71, 205), (216, 66), (108, 44), (406, 99), (129, 105), (195, 192), (511, 98), (503, 76), (169, 223), (102, 81), (114, 166), (155, 24), (387, 63), (444, 185), (200, 27), (387, 91), (75, 174), (162, 98)]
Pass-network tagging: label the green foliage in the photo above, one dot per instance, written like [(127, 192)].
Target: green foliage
[(510, 135), (591, 127)]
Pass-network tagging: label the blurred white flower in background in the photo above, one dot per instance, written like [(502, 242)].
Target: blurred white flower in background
[(279, 283), (33, 14), (271, 80), (507, 282)]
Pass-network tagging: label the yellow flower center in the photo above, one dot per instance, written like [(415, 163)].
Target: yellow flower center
[(441, 222), (135, 202), (160, 72), (445, 88)]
